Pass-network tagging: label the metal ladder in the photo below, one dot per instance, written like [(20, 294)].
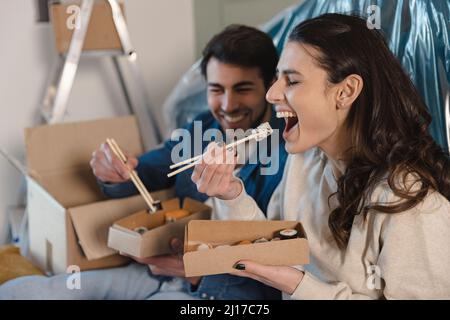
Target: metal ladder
[(54, 104)]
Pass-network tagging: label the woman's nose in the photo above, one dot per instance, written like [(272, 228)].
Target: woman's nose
[(275, 94)]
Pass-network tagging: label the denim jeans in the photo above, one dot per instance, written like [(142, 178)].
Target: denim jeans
[(133, 282)]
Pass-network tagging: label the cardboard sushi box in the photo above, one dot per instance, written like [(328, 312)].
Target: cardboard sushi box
[(145, 234), (226, 242), (69, 217)]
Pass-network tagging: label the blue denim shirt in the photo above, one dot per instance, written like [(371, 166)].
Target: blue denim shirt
[(153, 168)]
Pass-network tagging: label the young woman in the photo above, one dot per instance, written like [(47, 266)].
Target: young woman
[(364, 176)]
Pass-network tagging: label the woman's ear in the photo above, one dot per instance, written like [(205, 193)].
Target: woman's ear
[(349, 90)]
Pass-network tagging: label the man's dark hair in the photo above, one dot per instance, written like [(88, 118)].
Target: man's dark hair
[(245, 47)]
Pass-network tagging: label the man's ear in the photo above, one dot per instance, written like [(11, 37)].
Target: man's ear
[(349, 90)]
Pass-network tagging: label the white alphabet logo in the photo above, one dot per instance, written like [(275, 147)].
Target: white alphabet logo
[(73, 281), (73, 21), (374, 19), (374, 279)]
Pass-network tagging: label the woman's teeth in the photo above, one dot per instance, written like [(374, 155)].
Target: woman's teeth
[(286, 114), (234, 119)]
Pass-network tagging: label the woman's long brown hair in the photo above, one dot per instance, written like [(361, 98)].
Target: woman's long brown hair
[(388, 122)]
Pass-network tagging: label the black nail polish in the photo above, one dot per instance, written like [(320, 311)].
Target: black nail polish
[(239, 266)]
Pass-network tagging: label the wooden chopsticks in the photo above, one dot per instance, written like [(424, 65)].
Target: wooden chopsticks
[(133, 174)]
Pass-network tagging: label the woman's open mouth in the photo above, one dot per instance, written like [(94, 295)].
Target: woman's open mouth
[(291, 121)]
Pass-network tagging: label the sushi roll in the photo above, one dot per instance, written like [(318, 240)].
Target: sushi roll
[(260, 240), (141, 230), (288, 234), (204, 246)]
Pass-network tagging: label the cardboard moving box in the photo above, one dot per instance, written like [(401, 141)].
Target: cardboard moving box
[(221, 260), (156, 240), (101, 33), (68, 215)]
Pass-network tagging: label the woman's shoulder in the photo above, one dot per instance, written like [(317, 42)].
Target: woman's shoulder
[(434, 201), (433, 211)]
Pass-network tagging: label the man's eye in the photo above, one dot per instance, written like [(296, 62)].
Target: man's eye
[(215, 90), (292, 83), (243, 89)]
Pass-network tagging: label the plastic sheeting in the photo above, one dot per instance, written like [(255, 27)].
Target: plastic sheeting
[(418, 32)]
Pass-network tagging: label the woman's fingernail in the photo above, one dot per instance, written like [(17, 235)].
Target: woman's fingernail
[(239, 266)]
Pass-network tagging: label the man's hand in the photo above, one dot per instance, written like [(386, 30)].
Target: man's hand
[(169, 265), (108, 168), (283, 278)]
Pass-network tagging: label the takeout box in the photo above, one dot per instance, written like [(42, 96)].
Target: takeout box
[(101, 32), (68, 215), (221, 260), (155, 241)]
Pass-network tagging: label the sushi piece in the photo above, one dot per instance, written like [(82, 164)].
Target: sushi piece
[(260, 240), (204, 246), (288, 234), (140, 230)]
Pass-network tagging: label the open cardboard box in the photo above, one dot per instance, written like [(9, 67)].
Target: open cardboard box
[(68, 215), (221, 260), (156, 240), (101, 33)]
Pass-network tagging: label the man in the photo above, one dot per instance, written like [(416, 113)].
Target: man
[(239, 66)]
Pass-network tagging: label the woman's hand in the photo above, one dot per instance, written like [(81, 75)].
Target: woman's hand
[(282, 278), (214, 174)]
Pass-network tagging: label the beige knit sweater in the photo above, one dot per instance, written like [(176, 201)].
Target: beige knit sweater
[(392, 256)]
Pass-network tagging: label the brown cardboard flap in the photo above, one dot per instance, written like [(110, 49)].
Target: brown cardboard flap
[(57, 149), (82, 181), (92, 221), (101, 33), (77, 257)]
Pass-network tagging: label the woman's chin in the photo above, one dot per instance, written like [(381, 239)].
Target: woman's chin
[(292, 139)]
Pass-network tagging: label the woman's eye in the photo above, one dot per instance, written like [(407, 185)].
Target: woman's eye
[(291, 82)]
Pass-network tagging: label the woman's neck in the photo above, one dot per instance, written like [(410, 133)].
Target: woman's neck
[(336, 147)]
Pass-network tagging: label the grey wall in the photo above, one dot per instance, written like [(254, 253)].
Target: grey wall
[(161, 31)]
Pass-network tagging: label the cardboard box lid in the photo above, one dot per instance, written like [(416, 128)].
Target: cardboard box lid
[(221, 260), (58, 155)]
